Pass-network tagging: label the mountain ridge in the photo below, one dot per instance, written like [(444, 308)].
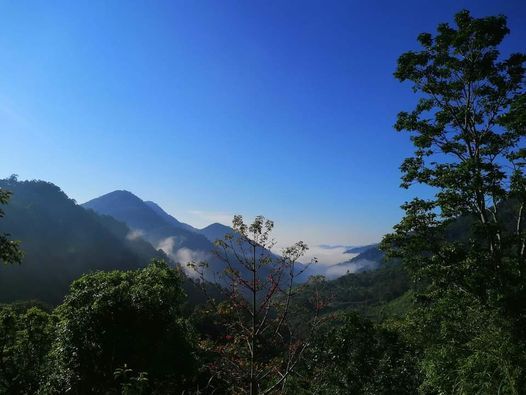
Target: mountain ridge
[(159, 228), (169, 218), (61, 241)]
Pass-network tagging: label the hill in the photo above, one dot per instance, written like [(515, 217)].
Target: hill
[(360, 249), (147, 220), (367, 291), (61, 240), (150, 222), (168, 218), (216, 231)]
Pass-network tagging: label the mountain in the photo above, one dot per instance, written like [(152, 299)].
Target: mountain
[(61, 241), (212, 232), (216, 231), (128, 208), (149, 221), (360, 249), (168, 218), (152, 223), (372, 254), (366, 291)]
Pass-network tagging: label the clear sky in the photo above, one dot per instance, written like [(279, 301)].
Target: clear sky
[(209, 108)]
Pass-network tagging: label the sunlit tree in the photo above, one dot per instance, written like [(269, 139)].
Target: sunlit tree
[(465, 246)]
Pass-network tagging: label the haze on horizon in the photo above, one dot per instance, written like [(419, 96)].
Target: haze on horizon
[(212, 109)]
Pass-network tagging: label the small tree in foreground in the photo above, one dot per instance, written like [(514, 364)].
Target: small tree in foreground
[(260, 344)]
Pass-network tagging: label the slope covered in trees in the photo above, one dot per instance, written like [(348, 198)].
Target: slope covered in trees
[(61, 241), (448, 307)]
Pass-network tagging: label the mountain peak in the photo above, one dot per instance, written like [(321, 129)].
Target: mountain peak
[(216, 225), (119, 194), (216, 231)]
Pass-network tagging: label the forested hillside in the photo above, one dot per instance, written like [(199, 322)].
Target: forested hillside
[(61, 241), (438, 307)]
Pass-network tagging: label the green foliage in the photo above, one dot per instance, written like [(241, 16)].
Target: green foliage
[(109, 320), (130, 384), (366, 292), (359, 357), (465, 247), (25, 339), (469, 347), (396, 308)]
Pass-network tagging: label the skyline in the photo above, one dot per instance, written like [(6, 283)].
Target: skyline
[(212, 110)]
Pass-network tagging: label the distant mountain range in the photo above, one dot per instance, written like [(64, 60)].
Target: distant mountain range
[(181, 242), (360, 249), (164, 215), (147, 220), (63, 240)]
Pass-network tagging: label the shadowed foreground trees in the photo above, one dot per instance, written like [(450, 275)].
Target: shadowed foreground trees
[(118, 320), (356, 356), (25, 340)]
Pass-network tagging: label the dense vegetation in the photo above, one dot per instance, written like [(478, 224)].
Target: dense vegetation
[(128, 320), (444, 314), (369, 292), (469, 131)]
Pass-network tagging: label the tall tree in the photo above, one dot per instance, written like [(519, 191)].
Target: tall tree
[(468, 133)]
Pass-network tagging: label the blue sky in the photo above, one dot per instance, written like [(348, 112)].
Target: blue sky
[(209, 108)]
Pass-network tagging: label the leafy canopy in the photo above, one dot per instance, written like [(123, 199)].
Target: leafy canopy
[(465, 246)]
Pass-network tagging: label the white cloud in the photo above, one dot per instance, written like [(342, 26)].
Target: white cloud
[(182, 256), (134, 234), (340, 270), (325, 256), (167, 245), (185, 255)]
